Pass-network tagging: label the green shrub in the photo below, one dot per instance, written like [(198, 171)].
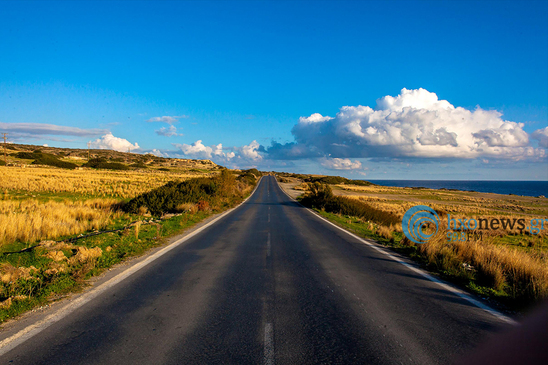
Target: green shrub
[(255, 172), (337, 180), (52, 160), (101, 163), (215, 191), (138, 165), (318, 196), (25, 155), (247, 177), (48, 159)]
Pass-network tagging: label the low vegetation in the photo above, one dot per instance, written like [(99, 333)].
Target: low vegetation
[(508, 265), (320, 196), (40, 158), (217, 192), (325, 179), (101, 163)]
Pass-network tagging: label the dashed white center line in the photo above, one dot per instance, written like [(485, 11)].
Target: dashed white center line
[(268, 248), (268, 217), (268, 344)]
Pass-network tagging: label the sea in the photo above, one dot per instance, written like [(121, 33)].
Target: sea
[(525, 188)]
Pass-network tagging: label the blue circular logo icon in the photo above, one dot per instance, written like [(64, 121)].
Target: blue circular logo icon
[(416, 219)]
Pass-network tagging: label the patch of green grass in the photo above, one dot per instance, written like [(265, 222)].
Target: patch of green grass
[(199, 170)]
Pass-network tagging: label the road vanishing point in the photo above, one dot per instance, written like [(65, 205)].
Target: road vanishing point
[(268, 283)]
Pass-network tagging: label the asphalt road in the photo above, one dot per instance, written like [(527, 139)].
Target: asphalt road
[(270, 283)]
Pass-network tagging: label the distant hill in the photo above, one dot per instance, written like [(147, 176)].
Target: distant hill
[(23, 154)]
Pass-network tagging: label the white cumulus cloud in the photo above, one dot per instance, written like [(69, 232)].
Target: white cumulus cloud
[(542, 136), (251, 151), (109, 142), (314, 118), (157, 153), (198, 150), (414, 123), (168, 132), (341, 164)]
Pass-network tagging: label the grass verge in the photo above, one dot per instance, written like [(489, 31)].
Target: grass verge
[(513, 277)]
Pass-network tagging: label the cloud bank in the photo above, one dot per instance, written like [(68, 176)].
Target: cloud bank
[(39, 129), (413, 124), (167, 119)]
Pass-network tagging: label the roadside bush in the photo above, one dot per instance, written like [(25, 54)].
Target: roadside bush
[(205, 192), (255, 172), (247, 178), (202, 205), (318, 196)]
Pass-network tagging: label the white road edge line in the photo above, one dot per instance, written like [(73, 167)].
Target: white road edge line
[(28, 332), (268, 344), (421, 272)]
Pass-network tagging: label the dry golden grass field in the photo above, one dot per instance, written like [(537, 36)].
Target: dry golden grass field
[(46, 202), (42, 202)]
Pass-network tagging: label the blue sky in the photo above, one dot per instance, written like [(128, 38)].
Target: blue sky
[(251, 76)]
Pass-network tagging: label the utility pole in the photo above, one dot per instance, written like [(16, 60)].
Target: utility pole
[(89, 145), (5, 156), (129, 150)]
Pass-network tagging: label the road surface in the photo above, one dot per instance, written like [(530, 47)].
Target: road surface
[(269, 283)]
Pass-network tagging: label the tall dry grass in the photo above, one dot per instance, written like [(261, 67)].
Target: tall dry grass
[(32, 220), (119, 184), (518, 273), (523, 275)]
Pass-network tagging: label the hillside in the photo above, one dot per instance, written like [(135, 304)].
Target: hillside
[(79, 157)]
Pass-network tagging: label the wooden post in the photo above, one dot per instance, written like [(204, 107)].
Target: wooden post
[(5, 155)]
